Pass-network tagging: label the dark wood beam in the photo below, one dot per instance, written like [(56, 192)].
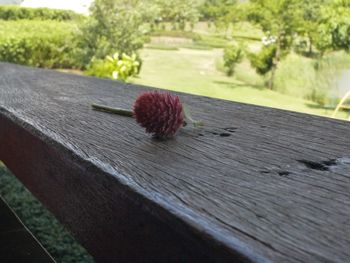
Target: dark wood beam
[(253, 185)]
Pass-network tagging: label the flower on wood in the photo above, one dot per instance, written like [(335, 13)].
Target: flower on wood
[(160, 114)]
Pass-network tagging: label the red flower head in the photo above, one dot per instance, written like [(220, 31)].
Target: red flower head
[(160, 113)]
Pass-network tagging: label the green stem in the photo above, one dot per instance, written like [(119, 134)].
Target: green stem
[(188, 117), (129, 113), (118, 111)]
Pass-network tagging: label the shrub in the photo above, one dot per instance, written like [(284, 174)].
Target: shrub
[(17, 13), (119, 67), (263, 61), (114, 25), (233, 54), (47, 44)]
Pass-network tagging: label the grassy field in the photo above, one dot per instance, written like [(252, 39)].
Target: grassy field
[(195, 72)]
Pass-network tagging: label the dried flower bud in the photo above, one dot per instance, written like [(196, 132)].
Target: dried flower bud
[(160, 113)]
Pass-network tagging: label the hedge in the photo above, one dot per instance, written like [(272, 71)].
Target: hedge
[(47, 44), (17, 13)]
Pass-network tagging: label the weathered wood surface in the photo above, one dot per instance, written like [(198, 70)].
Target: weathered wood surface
[(17, 244), (254, 185)]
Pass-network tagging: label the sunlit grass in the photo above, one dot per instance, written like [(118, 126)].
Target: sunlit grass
[(194, 71)]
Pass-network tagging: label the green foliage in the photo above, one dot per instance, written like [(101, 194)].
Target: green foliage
[(178, 12), (213, 10), (263, 60), (233, 55), (45, 227), (119, 67), (311, 79), (295, 76), (45, 44), (114, 25), (16, 13), (99, 68), (309, 22), (334, 27), (279, 19), (327, 69)]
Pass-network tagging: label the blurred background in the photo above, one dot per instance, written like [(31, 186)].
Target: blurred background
[(287, 54)]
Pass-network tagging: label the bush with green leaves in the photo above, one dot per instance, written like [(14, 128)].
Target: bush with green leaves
[(119, 67), (179, 12), (333, 31), (263, 61), (47, 44), (233, 54), (8, 12), (114, 25)]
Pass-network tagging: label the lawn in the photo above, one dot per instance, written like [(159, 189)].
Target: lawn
[(195, 72)]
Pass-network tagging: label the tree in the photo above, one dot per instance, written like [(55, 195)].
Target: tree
[(334, 27), (263, 61), (310, 20), (179, 12), (114, 26), (278, 19), (213, 10), (220, 12)]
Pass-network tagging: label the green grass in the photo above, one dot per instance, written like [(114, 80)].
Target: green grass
[(45, 227), (212, 41), (194, 71), (161, 47), (170, 40), (246, 30), (175, 33)]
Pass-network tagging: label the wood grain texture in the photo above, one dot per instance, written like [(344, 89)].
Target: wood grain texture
[(253, 185)]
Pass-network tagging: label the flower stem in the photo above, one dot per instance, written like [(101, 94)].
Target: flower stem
[(188, 118), (118, 111)]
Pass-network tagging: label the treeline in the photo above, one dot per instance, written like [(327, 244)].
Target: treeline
[(311, 28)]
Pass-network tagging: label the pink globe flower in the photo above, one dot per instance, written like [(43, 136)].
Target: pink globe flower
[(161, 114)]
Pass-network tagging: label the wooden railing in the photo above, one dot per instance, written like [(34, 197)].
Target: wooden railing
[(253, 185)]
